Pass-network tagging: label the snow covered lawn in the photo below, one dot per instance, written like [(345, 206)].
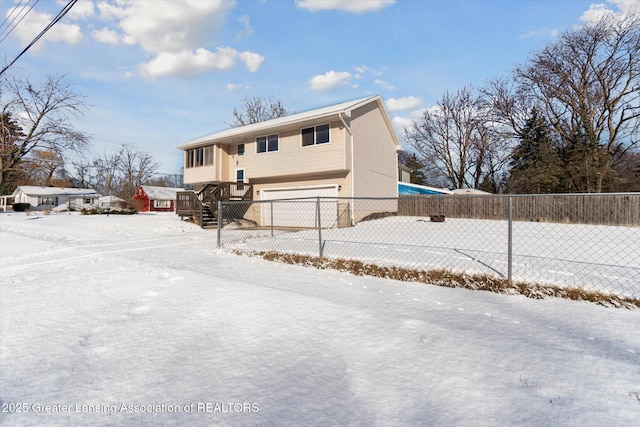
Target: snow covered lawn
[(597, 258), (139, 320)]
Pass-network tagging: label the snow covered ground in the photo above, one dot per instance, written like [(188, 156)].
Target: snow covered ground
[(139, 320), (600, 258)]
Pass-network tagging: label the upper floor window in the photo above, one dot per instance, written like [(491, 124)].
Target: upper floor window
[(200, 156), (240, 149), (315, 135), (267, 143)]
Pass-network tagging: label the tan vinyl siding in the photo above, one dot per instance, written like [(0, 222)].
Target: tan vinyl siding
[(341, 181), (199, 175), (294, 159), (375, 158)]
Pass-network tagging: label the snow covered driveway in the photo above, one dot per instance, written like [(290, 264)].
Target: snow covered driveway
[(139, 320)]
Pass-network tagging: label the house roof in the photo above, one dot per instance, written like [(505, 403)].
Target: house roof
[(32, 190), (160, 193), (232, 135), (469, 192)]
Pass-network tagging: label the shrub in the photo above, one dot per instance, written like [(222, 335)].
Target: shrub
[(21, 207)]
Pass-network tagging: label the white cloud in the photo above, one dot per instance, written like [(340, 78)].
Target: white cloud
[(110, 11), (83, 9), (175, 34), (235, 86), (363, 69), (383, 84), (598, 11), (401, 123), (165, 26), (595, 13), (34, 22), (247, 29), (626, 5), (202, 60), (329, 80), (107, 36), (251, 60), (403, 104), (354, 6)]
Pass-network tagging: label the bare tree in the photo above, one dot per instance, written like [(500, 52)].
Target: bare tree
[(587, 84), (107, 169), (456, 138), (84, 174), (257, 109), (137, 168), (44, 164), (44, 113)]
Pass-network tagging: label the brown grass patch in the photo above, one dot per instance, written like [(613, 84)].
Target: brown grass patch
[(449, 279)]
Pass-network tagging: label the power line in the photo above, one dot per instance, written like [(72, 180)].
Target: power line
[(9, 28), (55, 20), (11, 14)]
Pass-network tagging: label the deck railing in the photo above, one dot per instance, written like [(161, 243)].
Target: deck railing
[(194, 204)]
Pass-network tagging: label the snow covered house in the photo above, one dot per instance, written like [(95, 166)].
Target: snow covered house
[(110, 202), (42, 197), (347, 150), (156, 199)]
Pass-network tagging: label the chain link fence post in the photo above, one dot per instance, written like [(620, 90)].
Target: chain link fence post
[(219, 220), (510, 239), (319, 226)]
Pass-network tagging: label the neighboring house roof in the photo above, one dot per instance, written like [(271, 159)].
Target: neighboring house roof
[(405, 188), (110, 199), (32, 190), (229, 136), (160, 193), (469, 192)]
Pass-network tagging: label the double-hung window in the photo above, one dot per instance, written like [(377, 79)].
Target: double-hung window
[(315, 135), (240, 179), (267, 143)]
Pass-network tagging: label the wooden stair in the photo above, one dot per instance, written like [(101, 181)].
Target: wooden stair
[(201, 206)]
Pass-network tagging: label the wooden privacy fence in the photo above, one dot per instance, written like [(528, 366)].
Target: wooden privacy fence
[(597, 209)]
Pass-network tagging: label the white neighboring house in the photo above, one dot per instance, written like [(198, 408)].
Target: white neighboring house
[(52, 197), (110, 202)]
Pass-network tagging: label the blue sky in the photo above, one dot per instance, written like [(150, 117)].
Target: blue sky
[(158, 73)]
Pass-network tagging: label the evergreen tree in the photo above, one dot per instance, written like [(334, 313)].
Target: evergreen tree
[(535, 166), (417, 167), (10, 135)]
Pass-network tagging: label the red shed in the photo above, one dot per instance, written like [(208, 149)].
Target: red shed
[(156, 199)]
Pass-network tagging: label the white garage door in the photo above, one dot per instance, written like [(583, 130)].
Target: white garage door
[(296, 207)]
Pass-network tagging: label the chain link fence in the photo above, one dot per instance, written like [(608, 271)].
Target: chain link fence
[(591, 242)]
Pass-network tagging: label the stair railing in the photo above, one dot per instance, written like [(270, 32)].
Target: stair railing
[(189, 204)]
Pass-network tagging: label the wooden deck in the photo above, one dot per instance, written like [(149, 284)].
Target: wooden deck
[(202, 206)]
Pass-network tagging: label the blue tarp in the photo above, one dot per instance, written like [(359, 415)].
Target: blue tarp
[(404, 188)]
